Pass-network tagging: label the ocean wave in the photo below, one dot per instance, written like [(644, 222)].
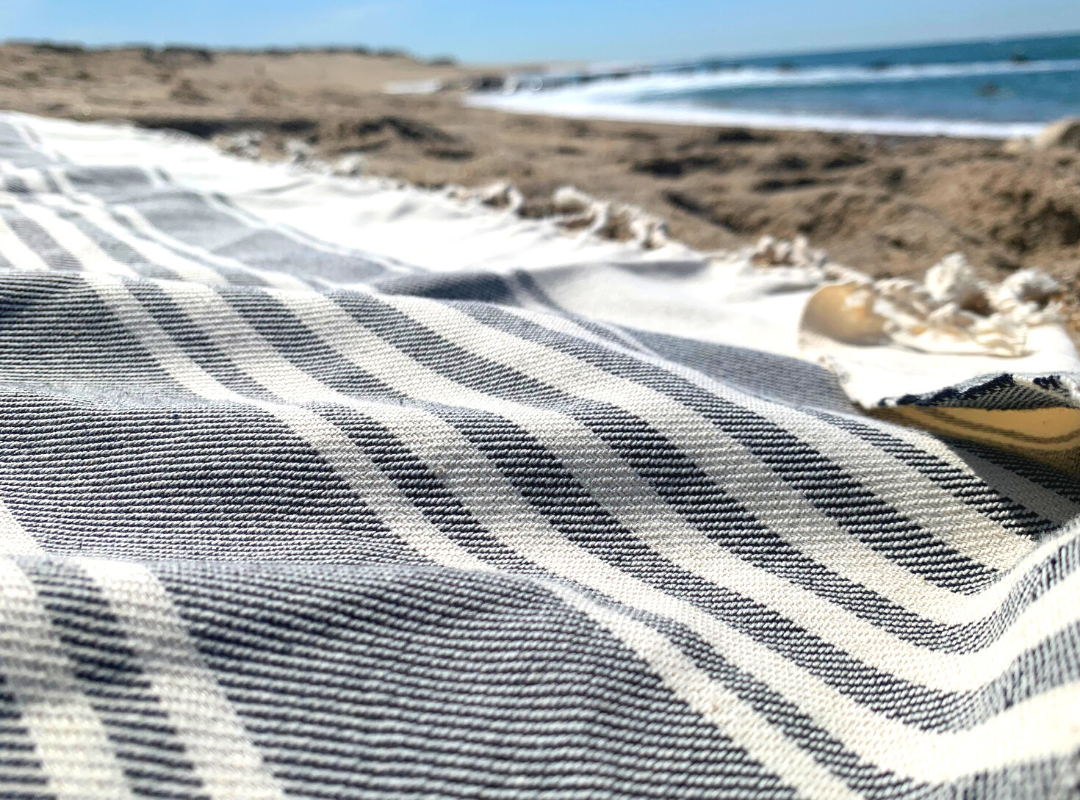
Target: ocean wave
[(559, 104), (614, 89)]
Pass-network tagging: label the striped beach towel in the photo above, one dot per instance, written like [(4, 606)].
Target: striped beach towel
[(308, 494)]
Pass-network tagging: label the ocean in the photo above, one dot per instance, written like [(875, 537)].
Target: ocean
[(999, 89)]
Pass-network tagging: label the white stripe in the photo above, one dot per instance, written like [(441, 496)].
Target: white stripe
[(910, 492), (80, 246), (239, 214), (532, 309), (722, 708), (23, 123), (497, 506), (14, 540), (15, 250), (68, 735), (224, 757)]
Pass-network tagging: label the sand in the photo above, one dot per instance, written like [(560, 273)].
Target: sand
[(884, 205)]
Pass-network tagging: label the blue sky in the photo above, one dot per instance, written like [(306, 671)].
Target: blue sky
[(518, 30)]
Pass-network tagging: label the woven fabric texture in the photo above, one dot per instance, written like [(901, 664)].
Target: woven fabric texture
[(284, 519)]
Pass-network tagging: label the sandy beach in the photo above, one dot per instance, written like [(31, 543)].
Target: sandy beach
[(886, 205)]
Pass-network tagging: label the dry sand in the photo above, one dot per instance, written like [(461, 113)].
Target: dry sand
[(884, 205)]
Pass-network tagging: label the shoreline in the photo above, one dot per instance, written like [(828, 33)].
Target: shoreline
[(688, 115), (665, 94)]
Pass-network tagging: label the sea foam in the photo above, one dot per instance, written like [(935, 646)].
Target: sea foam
[(655, 97)]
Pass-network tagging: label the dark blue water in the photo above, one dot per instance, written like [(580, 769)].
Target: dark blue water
[(995, 97), (1062, 47), (1001, 87), (1013, 80)]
